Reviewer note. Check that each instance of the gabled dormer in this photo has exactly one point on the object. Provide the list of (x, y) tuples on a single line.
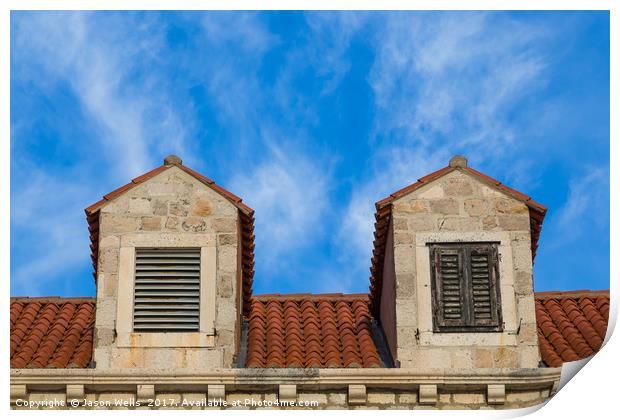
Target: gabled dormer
[(451, 275), (173, 258)]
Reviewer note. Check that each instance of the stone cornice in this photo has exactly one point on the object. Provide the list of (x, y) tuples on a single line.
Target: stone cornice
[(393, 378)]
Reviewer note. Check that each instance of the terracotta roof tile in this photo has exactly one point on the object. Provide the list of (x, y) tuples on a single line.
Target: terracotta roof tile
[(571, 325), (52, 332), (246, 215), (303, 330), (306, 331), (384, 213)]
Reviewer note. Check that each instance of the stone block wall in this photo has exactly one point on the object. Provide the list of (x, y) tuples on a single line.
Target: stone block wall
[(459, 208), (330, 399), (172, 209)]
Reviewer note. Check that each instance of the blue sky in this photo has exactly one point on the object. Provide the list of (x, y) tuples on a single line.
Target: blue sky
[(311, 118)]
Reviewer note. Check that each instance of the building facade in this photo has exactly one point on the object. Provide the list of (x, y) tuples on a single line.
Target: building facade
[(451, 319)]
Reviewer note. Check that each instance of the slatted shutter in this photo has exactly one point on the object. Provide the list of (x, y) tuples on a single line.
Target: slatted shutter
[(167, 290), (465, 287), (483, 284), (449, 297)]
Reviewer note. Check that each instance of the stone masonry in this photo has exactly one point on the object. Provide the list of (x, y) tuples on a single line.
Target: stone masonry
[(453, 208), (176, 210)]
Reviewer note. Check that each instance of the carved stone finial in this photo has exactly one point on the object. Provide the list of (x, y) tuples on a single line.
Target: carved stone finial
[(458, 162), (172, 160)]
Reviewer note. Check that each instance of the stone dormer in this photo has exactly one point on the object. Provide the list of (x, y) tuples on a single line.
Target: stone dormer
[(173, 259), (452, 272)]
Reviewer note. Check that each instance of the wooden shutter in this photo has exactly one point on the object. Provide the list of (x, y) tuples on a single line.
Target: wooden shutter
[(167, 290), (448, 287), (465, 287), (483, 277)]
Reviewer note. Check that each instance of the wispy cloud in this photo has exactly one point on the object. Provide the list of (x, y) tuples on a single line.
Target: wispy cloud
[(587, 205), (53, 219), (130, 123), (132, 117), (442, 86), (310, 117), (290, 194)]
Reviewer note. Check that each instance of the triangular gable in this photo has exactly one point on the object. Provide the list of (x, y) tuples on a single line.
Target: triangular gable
[(384, 212), (246, 215)]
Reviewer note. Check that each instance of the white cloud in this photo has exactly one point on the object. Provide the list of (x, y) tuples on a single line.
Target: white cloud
[(443, 85), (289, 193), (51, 210), (587, 204), (134, 114), (96, 57)]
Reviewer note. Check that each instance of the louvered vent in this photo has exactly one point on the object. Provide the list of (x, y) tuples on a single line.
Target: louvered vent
[(167, 290)]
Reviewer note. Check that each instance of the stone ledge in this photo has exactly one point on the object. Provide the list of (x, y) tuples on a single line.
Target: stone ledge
[(304, 379)]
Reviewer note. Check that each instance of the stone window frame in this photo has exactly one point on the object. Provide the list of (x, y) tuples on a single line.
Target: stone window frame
[(427, 336), (205, 337), (468, 323)]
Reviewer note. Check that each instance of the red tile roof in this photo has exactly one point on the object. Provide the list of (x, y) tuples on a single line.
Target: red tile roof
[(323, 331), (384, 213), (52, 332), (306, 331), (246, 215), (571, 325)]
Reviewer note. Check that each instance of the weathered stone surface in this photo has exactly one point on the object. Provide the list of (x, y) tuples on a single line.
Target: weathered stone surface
[(458, 187), (109, 242), (528, 333), (202, 207), (468, 398), (511, 222), (400, 223), (445, 206), (414, 206), (227, 258), (194, 224), (108, 260), (172, 223), (177, 209), (421, 223), (381, 398), (104, 336), (404, 259), (139, 205), (403, 238), (505, 357), (483, 358), (405, 285), (337, 398), (225, 338), (110, 285), (407, 398), (152, 223), (226, 314), (157, 214), (321, 398), (106, 312), (225, 285), (113, 223), (227, 239), (524, 396), (507, 205), (475, 206), (523, 283), (459, 223), (224, 225), (489, 223), (160, 207)]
